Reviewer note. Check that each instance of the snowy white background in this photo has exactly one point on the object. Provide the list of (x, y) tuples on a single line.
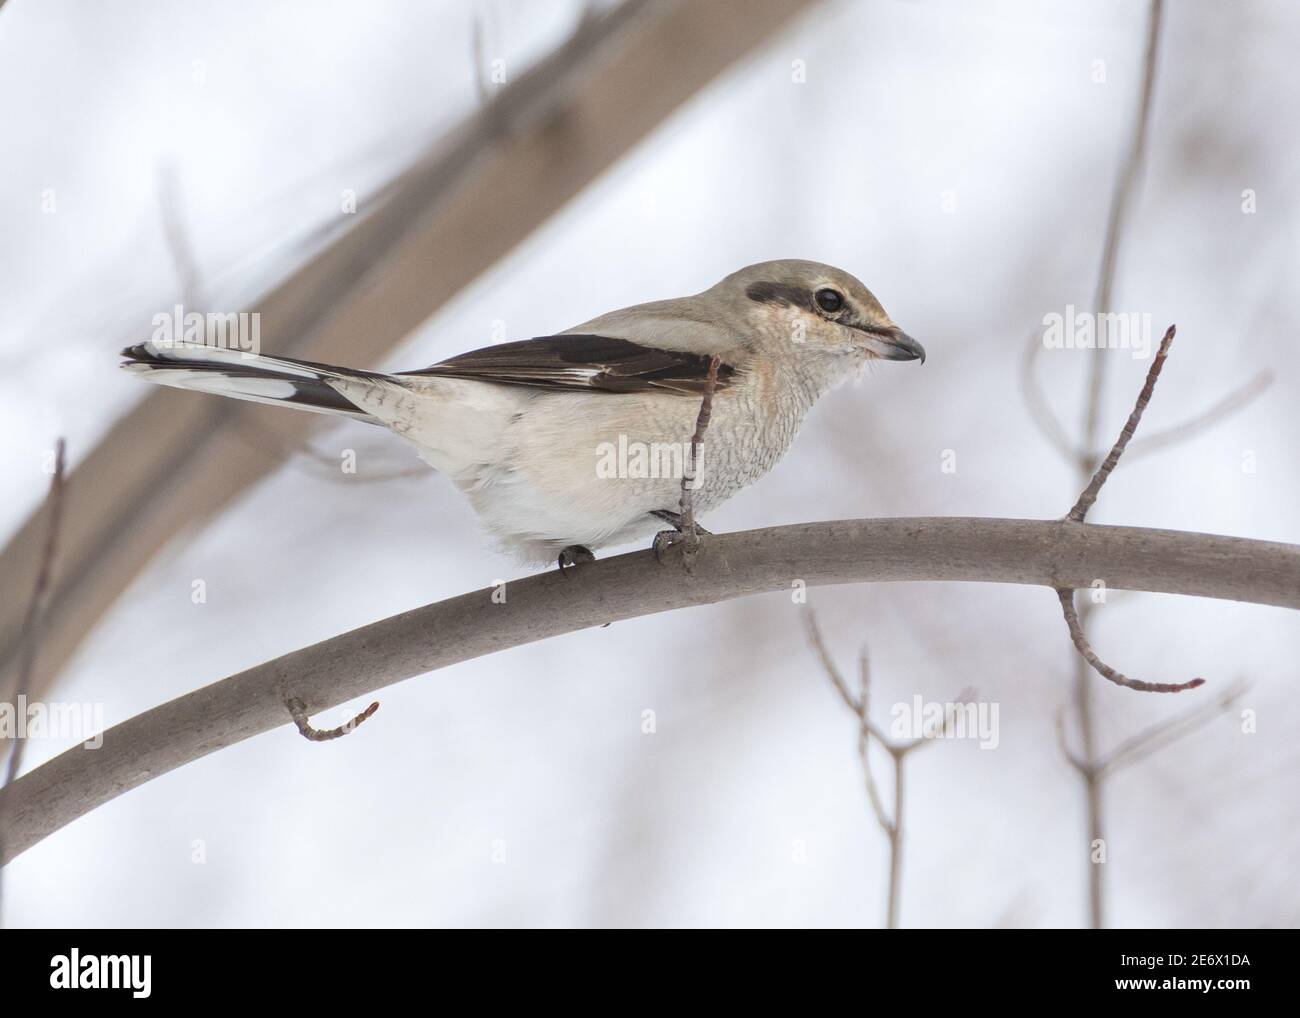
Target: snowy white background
[(746, 806)]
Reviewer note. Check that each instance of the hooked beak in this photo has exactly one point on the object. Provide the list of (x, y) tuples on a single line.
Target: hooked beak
[(893, 344)]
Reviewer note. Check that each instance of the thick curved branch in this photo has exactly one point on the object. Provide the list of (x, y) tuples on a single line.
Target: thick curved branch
[(1050, 553)]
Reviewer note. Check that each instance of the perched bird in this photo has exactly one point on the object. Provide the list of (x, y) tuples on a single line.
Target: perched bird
[(577, 441)]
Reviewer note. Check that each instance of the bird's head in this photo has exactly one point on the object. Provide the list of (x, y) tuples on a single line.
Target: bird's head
[(816, 311)]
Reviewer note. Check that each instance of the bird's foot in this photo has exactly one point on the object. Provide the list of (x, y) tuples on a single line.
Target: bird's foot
[(665, 539), (572, 555)]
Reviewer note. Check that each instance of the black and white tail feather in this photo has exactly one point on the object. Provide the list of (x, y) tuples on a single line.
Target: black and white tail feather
[(278, 381)]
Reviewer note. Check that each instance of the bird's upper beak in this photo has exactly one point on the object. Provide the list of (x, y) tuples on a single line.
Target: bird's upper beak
[(893, 344)]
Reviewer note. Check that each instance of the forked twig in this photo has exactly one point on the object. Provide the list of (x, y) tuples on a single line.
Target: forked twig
[(860, 705), (1080, 512), (1082, 766), (298, 711)]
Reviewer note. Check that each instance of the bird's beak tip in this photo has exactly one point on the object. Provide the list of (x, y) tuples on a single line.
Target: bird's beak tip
[(905, 348), (890, 343)]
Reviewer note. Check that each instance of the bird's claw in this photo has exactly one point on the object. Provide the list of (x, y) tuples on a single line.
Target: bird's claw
[(664, 540), (572, 555)]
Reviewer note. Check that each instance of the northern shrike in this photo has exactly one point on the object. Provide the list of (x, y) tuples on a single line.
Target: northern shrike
[(576, 441)]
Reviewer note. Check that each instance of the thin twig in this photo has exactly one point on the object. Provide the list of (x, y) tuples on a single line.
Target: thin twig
[(298, 711), (1089, 495), (1183, 431), (1121, 203), (179, 247), (1100, 667), (1053, 431), (697, 440), (1160, 735), (818, 645), (1039, 407), (941, 729), (1094, 800), (864, 735), (1080, 765)]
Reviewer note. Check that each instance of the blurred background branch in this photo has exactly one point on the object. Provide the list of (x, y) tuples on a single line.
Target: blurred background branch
[(860, 706), (33, 621)]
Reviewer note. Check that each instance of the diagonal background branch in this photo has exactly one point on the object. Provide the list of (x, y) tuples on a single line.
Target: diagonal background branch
[(1049, 553), (426, 235)]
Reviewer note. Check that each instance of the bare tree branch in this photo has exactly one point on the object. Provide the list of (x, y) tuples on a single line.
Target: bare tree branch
[(1050, 553), (36, 608)]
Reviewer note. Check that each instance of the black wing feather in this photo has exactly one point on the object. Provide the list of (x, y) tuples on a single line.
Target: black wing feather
[(600, 363)]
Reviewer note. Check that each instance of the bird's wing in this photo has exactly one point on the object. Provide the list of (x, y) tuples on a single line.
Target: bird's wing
[(586, 362)]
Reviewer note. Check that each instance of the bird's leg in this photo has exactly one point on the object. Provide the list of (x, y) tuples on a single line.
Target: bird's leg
[(572, 555), (665, 539), (668, 516)]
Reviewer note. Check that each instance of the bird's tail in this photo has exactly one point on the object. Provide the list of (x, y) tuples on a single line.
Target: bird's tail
[(280, 381)]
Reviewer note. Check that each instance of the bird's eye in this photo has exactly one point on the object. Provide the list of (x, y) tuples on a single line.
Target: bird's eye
[(829, 300)]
